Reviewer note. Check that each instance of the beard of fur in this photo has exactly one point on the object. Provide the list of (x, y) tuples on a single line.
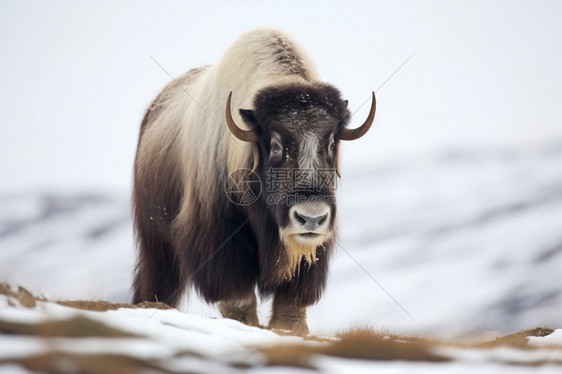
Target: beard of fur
[(295, 252)]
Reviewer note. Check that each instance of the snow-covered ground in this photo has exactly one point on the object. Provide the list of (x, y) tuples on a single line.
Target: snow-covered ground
[(450, 208), (156, 340)]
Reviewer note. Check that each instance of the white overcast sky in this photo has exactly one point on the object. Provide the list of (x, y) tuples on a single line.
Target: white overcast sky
[(75, 76)]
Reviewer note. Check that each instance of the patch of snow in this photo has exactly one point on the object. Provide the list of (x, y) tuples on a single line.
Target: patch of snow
[(13, 369), (554, 339), (503, 354), (18, 346), (337, 365)]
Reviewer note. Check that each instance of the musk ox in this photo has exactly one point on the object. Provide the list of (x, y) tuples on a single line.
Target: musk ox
[(283, 133)]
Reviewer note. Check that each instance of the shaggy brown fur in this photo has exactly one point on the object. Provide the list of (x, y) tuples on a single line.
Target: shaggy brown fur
[(188, 231)]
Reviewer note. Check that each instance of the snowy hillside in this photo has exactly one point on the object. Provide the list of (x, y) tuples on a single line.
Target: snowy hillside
[(466, 241), (50, 337)]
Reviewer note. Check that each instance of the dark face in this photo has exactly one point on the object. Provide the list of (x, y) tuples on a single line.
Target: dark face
[(295, 131), (298, 150)]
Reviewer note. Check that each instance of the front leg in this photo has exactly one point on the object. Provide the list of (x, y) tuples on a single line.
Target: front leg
[(241, 309), (288, 316)]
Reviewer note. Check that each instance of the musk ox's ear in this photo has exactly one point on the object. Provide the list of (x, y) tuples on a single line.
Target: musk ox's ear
[(249, 118), (244, 135)]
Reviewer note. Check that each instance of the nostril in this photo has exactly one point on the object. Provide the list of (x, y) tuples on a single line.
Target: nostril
[(300, 218), (323, 219)]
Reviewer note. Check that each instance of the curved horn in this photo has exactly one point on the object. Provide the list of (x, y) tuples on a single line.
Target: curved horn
[(348, 134), (244, 135)]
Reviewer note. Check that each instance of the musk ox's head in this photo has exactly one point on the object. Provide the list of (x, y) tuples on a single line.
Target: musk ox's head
[(295, 132)]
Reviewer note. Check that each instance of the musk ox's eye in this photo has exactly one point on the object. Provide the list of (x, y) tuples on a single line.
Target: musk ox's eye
[(275, 147), (332, 146), (276, 152)]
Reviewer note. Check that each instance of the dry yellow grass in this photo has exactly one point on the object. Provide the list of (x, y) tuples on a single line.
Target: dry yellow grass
[(28, 300), (78, 326), (102, 306), (369, 344), (58, 363), (517, 339)]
